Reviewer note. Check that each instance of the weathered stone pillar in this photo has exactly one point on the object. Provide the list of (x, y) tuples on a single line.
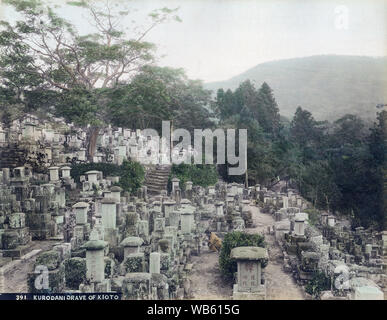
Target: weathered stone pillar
[(285, 202), (108, 213), (154, 262), (169, 206), (186, 222), (95, 266)]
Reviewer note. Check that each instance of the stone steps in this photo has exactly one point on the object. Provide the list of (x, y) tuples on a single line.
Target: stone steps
[(157, 179), (12, 156)]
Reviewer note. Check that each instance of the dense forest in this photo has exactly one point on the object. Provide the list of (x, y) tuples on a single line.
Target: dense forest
[(337, 165), (46, 67)]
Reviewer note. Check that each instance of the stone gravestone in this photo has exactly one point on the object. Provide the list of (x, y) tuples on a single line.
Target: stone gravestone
[(250, 262), (95, 266)]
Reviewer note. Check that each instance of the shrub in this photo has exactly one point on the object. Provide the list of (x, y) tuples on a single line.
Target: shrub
[(232, 240), (314, 216), (75, 272), (108, 169), (132, 176), (320, 282), (131, 173), (200, 175)]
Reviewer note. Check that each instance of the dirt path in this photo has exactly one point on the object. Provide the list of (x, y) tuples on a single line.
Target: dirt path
[(279, 285), (206, 282), (15, 280)]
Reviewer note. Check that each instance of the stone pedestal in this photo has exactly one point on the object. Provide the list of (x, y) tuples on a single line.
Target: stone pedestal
[(250, 262)]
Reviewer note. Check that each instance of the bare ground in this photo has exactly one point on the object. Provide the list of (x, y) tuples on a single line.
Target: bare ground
[(206, 282), (279, 284), (15, 280)]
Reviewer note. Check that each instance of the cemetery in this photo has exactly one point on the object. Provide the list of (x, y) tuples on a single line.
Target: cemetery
[(92, 236), (193, 150)]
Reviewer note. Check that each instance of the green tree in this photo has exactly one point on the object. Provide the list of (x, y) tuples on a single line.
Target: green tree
[(50, 51), (268, 112), (158, 94)]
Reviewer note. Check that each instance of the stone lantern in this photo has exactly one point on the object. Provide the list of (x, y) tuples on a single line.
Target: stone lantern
[(250, 261)]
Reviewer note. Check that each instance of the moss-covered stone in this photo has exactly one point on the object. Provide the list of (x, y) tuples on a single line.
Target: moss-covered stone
[(164, 261), (50, 259), (134, 263)]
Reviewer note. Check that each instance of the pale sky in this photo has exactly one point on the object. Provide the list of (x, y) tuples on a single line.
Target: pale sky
[(219, 39)]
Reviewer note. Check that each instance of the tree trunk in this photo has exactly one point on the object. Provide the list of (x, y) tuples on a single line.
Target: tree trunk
[(92, 143)]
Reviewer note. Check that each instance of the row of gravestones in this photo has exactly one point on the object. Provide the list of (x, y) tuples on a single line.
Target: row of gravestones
[(329, 247)]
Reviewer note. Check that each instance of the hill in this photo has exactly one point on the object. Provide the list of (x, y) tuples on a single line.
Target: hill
[(329, 86)]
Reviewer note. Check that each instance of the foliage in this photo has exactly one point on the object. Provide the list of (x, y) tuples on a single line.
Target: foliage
[(157, 94), (75, 272), (200, 174), (314, 216), (256, 111), (43, 56), (320, 282), (232, 240), (108, 169), (132, 176), (131, 173)]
